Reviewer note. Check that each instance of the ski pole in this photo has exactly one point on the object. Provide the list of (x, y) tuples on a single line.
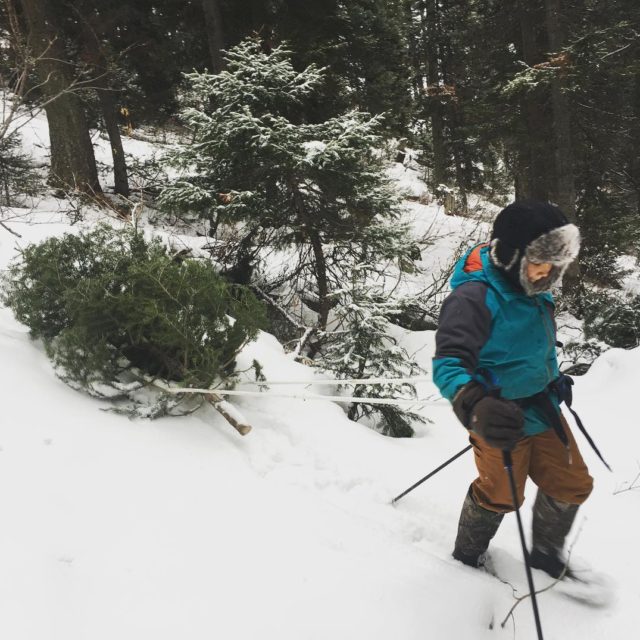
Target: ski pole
[(508, 465), (442, 466)]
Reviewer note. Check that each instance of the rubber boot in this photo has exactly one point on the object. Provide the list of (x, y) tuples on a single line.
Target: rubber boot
[(552, 522), (476, 528)]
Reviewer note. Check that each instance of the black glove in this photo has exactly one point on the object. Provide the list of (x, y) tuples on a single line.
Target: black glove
[(562, 386), (500, 422)]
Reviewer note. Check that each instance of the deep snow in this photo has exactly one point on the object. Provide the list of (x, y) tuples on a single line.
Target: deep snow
[(180, 528)]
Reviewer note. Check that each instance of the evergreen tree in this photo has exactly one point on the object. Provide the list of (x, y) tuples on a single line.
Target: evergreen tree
[(371, 53), (254, 160), (604, 56), (463, 53), (115, 311), (255, 163), (18, 177), (362, 43)]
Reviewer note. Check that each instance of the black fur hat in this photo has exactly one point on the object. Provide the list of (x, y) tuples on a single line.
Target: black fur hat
[(538, 232)]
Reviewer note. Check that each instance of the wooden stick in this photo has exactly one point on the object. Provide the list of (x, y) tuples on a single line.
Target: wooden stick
[(229, 413), (224, 408)]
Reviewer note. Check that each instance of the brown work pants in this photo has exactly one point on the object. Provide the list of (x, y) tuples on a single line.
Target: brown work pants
[(558, 472)]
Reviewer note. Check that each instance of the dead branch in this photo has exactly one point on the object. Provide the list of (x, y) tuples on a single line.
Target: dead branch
[(15, 233), (634, 484), (229, 413)]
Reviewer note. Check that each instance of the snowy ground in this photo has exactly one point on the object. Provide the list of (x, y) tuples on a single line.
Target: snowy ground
[(180, 528)]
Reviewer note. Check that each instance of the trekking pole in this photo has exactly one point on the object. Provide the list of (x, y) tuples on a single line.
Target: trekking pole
[(508, 465), (433, 473)]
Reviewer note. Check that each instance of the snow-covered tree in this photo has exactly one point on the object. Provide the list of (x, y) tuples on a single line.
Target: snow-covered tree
[(254, 163), (254, 160)]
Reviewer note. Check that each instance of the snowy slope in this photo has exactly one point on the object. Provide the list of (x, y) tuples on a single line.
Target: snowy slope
[(180, 528)]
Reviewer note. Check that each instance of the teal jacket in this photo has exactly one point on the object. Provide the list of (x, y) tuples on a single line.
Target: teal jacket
[(485, 323)]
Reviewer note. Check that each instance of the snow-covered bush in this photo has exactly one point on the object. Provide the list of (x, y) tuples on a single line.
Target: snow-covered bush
[(361, 346), (115, 311)]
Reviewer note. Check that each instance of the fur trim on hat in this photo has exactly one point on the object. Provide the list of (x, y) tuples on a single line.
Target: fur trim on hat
[(496, 260), (560, 246)]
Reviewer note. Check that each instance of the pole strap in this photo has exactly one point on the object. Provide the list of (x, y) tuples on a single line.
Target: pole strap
[(562, 386)]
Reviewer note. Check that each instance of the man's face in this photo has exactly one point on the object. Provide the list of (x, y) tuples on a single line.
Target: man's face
[(537, 271)]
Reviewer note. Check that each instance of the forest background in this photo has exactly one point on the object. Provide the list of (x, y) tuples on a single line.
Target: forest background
[(538, 99), (528, 99)]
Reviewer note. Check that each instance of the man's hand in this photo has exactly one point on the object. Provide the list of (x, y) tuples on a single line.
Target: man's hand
[(500, 422)]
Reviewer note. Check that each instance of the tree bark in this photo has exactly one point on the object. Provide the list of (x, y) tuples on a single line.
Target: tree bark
[(321, 278), (563, 189), (73, 164), (455, 125), (215, 33), (430, 31), (319, 259), (634, 160), (534, 154), (109, 107), (416, 62), (108, 104)]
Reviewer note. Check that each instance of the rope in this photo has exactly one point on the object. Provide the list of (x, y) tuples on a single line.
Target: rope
[(398, 402), (353, 381)]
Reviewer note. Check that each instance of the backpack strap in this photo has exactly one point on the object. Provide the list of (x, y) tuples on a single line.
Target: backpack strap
[(562, 388)]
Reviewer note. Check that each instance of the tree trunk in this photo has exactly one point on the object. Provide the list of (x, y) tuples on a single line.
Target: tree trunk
[(215, 33), (229, 413), (634, 160), (455, 126), (534, 160), (417, 81), (563, 189), (321, 278), (319, 259), (73, 164), (430, 31), (109, 107)]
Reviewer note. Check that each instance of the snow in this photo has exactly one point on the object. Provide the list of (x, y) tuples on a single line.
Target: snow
[(408, 182), (181, 528), (631, 281), (314, 148)]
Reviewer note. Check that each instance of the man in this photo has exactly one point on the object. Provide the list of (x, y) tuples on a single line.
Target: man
[(496, 362)]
